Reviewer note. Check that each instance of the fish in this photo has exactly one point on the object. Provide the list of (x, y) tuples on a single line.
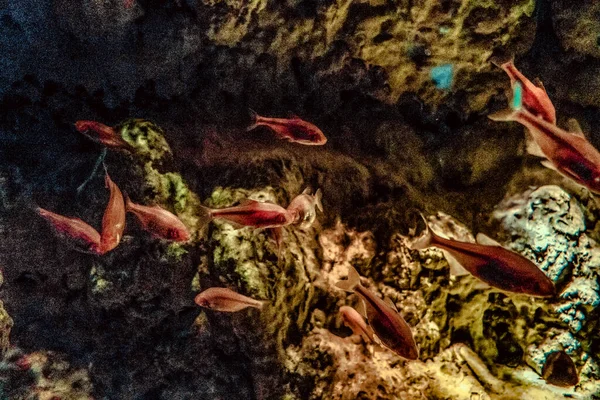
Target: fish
[(293, 129), (303, 207), (103, 134), (113, 221), (387, 324), (74, 228), (567, 152), (158, 221), (249, 213), (353, 320), (559, 370), (496, 266), (128, 3), (535, 98), (223, 299)]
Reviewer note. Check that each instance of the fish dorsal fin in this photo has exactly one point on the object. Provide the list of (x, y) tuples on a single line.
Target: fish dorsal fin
[(307, 191), (248, 202), (361, 308), (574, 128), (292, 115), (537, 82), (456, 269), (486, 240), (390, 303)]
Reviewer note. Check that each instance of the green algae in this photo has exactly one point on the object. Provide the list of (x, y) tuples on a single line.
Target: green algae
[(146, 137)]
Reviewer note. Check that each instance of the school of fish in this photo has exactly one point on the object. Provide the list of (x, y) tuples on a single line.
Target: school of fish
[(374, 319)]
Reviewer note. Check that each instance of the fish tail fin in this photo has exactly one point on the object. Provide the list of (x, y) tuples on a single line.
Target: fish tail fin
[(128, 202), (426, 239), (353, 280), (205, 216), (511, 114), (261, 303), (503, 61), (318, 198), (255, 120)]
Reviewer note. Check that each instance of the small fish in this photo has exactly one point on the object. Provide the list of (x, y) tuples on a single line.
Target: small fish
[(102, 134), (559, 370), (293, 129), (388, 325), (74, 228), (223, 299), (492, 264), (250, 213), (303, 207), (568, 153), (353, 320), (113, 221), (128, 3), (159, 221), (535, 98)]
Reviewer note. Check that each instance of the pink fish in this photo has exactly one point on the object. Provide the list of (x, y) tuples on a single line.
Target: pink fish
[(388, 325), (569, 153), (128, 3), (353, 320), (223, 299), (102, 134), (303, 207), (74, 228), (535, 98), (159, 221), (251, 213), (292, 129), (113, 221), (492, 264)]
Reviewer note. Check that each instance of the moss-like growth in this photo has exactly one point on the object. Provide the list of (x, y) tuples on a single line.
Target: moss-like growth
[(146, 137)]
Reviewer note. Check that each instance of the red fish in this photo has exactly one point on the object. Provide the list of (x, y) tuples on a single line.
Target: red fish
[(353, 320), (303, 207), (293, 129), (535, 98), (113, 221), (251, 213), (74, 228), (159, 221), (223, 299), (559, 370), (102, 134), (492, 264), (389, 326), (569, 153)]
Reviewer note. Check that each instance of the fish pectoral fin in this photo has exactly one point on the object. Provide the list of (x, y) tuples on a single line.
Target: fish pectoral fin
[(486, 240), (361, 309), (532, 147), (574, 128), (390, 303), (456, 269)]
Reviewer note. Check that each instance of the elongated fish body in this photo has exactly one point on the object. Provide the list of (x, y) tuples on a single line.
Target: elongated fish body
[(293, 129), (102, 134), (74, 228), (252, 213), (569, 153), (535, 98), (304, 207), (159, 222), (388, 325), (113, 221), (494, 265), (353, 320), (223, 299)]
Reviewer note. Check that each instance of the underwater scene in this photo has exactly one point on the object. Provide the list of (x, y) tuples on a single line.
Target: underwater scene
[(299, 199)]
